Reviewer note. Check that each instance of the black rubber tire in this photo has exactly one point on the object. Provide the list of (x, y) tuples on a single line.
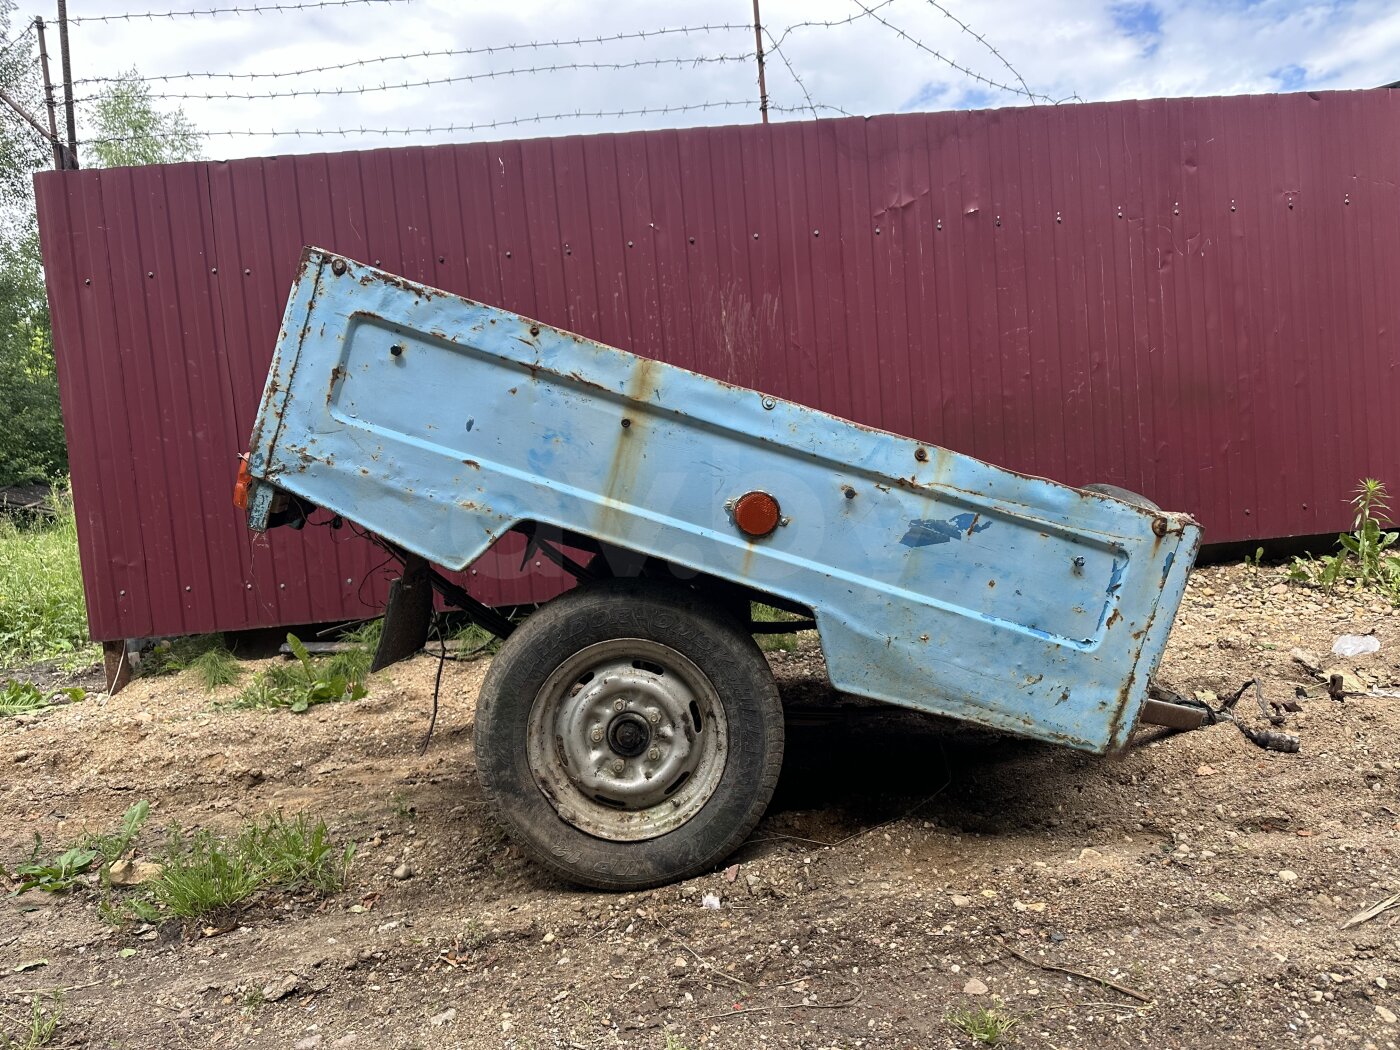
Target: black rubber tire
[(1126, 495), (672, 616)]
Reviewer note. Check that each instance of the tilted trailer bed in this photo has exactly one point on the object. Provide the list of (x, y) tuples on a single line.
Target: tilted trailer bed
[(630, 732)]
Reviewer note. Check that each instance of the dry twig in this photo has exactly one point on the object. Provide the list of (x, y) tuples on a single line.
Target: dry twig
[(1132, 992)]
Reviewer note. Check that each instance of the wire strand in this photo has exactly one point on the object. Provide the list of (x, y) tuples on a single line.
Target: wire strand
[(983, 41), (209, 12), (362, 89), (1009, 88), (491, 49), (433, 129), (829, 25), (774, 49), (11, 45)]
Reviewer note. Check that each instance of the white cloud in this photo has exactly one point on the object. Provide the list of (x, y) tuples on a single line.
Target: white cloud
[(1098, 49)]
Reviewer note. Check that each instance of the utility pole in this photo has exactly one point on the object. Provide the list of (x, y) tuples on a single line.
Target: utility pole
[(67, 82), (758, 47), (60, 152)]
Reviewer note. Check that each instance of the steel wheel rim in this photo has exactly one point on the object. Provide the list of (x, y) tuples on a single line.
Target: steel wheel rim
[(627, 739)]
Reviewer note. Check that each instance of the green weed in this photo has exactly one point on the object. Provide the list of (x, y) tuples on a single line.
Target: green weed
[(205, 874), (986, 1025), (472, 640), (18, 698), (300, 685), (42, 613), (39, 1029), (205, 654), (1366, 558), (65, 870), (295, 854), (216, 667)]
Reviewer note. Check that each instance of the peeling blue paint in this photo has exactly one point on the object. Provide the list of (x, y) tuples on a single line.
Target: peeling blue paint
[(1001, 633), (924, 531)]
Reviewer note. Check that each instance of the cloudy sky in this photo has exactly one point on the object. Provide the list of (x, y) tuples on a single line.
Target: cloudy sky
[(880, 56)]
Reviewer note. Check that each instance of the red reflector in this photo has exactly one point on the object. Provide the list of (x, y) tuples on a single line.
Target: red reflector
[(756, 513), (241, 484)]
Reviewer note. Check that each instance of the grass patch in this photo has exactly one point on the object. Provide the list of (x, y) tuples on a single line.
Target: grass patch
[(986, 1025), (200, 874), (472, 640), (772, 642), (205, 874), (215, 667), (42, 612), (205, 654), (39, 1029), (302, 684)]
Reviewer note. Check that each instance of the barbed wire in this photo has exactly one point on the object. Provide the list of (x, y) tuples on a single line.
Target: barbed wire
[(774, 49), (433, 129), (444, 53), (830, 25), (1009, 88), (804, 108), (11, 45), (208, 12), (983, 41), (362, 89)]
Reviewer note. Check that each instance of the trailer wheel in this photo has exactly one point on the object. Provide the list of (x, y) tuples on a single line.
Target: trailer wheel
[(628, 735)]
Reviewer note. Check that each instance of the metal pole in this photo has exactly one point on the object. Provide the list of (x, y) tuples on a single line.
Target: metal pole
[(5, 98), (67, 82), (60, 159), (758, 46)]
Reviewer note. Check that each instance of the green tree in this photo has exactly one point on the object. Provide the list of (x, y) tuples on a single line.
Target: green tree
[(129, 129), (31, 440)]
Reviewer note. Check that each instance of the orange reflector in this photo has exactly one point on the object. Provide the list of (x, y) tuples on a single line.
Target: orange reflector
[(241, 485), (756, 513)]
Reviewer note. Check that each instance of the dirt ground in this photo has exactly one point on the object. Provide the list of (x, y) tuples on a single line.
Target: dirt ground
[(905, 868)]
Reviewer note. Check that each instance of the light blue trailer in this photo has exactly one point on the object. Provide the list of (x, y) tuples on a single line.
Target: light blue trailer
[(630, 731)]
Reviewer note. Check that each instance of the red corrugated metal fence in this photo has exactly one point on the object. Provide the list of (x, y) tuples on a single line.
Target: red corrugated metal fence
[(1194, 298)]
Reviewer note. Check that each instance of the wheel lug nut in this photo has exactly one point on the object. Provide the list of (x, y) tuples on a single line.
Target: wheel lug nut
[(597, 734), (654, 717), (654, 754), (619, 704), (617, 765)]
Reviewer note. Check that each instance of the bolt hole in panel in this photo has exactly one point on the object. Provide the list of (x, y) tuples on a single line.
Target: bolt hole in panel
[(947, 584)]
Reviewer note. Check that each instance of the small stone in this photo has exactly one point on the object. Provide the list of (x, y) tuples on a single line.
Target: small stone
[(1387, 1015), (438, 1020), (402, 872), (133, 872), (1205, 769), (974, 987), (309, 1043), (961, 901), (549, 938), (1306, 660), (1287, 876), (280, 989)]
